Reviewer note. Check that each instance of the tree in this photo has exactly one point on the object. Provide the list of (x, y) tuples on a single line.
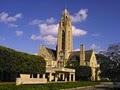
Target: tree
[(109, 69), (83, 72), (13, 63), (113, 52)]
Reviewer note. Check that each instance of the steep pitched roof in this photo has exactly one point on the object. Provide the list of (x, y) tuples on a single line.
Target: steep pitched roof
[(75, 53), (88, 54), (52, 52)]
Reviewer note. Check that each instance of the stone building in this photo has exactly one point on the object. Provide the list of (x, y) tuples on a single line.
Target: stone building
[(64, 49), (55, 59)]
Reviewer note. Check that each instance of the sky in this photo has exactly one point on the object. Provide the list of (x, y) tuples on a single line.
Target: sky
[(26, 24)]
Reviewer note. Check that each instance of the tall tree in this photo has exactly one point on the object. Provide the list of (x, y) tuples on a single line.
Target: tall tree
[(110, 62), (113, 52), (13, 62)]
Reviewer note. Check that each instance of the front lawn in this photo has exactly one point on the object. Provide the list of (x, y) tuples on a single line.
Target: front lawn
[(48, 86)]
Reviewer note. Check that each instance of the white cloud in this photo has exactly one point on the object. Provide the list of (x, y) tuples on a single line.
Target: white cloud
[(79, 16), (78, 49), (48, 39), (78, 32), (38, 21), (4, 17), (53, 30), (19, 33), (35, 22), (48, 33), (7, 19), (35, 37), (35, 53), (50, 20), (12, 25), (46, 29), (94, 47), (18, 16)]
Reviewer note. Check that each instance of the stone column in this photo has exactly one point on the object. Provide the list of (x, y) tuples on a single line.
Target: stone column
[(56, 77), (38, 75), (69, 76), (65, 77), (44, 76), (59, 75), (32, 75), (74, 77), (50, 76)]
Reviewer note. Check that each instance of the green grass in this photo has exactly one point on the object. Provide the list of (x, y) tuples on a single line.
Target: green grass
[(48, 86)]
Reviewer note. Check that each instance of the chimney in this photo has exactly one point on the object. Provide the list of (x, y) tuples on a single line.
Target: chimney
[(82, 55)]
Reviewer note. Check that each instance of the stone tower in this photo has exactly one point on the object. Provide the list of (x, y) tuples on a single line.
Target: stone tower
[(64, 40), (82, 55)]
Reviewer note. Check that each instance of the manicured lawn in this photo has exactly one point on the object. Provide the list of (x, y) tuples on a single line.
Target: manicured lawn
[(49, 86)]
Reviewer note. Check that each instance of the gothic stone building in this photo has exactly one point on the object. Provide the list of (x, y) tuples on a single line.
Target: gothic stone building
[(64, 49)]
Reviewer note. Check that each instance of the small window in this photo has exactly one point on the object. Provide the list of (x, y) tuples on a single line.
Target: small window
[(63, 24), (66, 17)]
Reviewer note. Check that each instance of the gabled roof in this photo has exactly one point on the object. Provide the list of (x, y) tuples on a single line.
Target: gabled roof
[(88, 54), (52, 52), (75, 53)]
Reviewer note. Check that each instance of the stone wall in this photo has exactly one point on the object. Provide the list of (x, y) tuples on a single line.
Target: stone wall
[(30, 81), (25, 79)]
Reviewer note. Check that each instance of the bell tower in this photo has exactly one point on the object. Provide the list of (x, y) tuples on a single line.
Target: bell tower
[(64, 40)]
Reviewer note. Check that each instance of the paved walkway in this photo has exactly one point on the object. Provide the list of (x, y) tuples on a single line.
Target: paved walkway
[(103, 86)]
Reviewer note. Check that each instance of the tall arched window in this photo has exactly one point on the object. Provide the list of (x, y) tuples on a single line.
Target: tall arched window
[(69, 40), (63, 40)]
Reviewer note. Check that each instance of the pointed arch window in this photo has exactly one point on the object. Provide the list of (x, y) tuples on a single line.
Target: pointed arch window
[(66, 17), (69, 40), (63, 40)]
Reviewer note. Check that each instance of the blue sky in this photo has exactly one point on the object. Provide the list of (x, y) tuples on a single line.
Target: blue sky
[(26, 24)]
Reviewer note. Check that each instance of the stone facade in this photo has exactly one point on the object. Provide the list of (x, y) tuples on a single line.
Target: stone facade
[(26, 79), (64, 53), (48, 55), (64, 41), (60, 74)]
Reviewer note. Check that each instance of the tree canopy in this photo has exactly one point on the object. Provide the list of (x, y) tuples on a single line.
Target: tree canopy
[(113, 52), (110, 62), (83, 72), (13, 63)]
